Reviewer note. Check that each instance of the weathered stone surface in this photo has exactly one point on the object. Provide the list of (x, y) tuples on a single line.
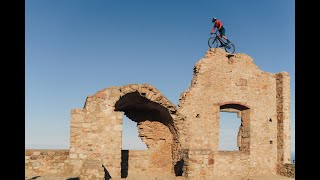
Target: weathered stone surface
[(182, 140), (46, 162)]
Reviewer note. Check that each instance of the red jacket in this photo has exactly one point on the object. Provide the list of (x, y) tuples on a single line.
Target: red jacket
[(217, 24)]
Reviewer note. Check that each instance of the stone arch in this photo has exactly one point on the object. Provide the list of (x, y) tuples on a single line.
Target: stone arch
[(142, 102), (97, 128)]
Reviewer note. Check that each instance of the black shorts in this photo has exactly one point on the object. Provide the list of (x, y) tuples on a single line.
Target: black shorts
[(222, 31)]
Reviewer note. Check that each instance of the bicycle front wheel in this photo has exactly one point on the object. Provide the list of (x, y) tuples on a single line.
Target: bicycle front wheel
[(213, 42), (230, 48)]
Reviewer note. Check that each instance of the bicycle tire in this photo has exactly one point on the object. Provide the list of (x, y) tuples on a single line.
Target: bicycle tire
[(213, 42), (230, 48)]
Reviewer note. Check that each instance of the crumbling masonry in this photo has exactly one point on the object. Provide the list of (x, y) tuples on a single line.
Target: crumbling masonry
[(182, 141)]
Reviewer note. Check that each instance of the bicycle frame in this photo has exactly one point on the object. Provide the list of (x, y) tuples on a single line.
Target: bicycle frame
[(225, 43), (221, 40)]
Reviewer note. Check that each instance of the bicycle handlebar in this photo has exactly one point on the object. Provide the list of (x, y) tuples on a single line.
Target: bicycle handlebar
[(214, 33)]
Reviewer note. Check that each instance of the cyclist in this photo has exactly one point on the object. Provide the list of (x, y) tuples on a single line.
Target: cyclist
[(218, 24)]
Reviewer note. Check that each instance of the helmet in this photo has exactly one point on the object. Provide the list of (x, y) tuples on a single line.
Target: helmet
[(214, 20)]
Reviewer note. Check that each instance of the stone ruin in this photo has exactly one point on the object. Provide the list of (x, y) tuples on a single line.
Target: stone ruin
[(182, 140)]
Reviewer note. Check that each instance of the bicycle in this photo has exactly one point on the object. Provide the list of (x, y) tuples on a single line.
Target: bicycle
[(216, 41)]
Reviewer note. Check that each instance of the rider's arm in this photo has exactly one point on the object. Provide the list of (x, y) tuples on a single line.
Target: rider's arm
[(214, 27), (212, 31)]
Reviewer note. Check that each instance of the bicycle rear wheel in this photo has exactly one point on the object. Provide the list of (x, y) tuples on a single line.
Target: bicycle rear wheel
[(213, 42), (230, 48)]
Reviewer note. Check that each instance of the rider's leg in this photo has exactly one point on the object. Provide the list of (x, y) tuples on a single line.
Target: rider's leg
[(221, 43), (223, 33)]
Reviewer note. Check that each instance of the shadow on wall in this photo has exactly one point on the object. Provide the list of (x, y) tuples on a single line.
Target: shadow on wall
[(106, 173), (35, 177), (73, 178), (124, 163), (178, 168)]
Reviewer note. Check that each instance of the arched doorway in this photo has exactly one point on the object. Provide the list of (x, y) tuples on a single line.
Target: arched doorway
[(155, 128)]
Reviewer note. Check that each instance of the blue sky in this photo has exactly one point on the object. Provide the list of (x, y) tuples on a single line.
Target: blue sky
[(75, 48)]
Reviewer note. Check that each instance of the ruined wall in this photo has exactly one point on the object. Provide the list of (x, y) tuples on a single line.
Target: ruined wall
[(137, 160), (158, 157), (181, 141), (143, 162), (283, 119), (96, 130), (198, 164), (288, 170), (219, 80), (40, 162), (159, 141)]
